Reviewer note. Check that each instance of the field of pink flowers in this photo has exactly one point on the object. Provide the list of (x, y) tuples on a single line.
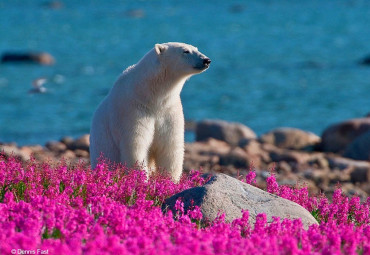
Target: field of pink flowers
[(63, 209)]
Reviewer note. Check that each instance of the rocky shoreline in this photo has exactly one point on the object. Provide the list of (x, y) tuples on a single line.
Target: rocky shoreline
[(340, 156)]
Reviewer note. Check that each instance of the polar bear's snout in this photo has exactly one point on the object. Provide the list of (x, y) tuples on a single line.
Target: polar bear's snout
[(206, 62), (203, 64)]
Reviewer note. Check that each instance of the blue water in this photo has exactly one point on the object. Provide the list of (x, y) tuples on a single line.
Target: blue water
[(274, 63)]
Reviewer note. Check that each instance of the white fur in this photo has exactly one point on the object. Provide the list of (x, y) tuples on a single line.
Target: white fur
[(141, 120)]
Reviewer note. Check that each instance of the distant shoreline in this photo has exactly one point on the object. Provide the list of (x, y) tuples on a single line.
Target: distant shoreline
[(296, 156)]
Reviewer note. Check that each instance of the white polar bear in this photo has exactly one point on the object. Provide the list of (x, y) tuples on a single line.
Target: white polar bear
[(141, 120)]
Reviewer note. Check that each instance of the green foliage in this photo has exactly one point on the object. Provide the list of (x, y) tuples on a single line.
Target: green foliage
[(62, 186), (46, 183), (4, 189), (18, 190), (80, 191), (316, 215), (56, 234)]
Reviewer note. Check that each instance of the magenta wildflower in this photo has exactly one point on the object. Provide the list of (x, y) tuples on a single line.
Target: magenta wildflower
[(116, 210), (250, 178)]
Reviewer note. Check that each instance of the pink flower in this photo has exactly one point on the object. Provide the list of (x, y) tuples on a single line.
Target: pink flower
[(116, 210)]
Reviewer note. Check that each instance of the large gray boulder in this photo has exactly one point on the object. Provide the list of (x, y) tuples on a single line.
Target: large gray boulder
[(290, 138), (230, 132), (338, 136), (228, 195)]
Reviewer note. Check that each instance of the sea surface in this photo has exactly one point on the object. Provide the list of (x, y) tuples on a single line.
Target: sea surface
[(274, 63)]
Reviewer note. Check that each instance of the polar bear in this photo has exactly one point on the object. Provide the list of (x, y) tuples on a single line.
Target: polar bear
[(141, 120)]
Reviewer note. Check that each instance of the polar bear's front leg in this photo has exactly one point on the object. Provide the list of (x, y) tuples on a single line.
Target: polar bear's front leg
[(136, 142), (170, 137), (172, 161), (171, 157)]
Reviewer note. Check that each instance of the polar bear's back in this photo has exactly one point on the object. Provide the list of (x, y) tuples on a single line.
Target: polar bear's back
[(112, 110), (101, 140)]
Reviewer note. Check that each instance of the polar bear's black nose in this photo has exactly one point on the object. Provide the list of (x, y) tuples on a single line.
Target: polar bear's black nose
[(206, 61)]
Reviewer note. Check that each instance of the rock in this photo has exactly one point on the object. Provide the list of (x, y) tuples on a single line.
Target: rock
[(256, 155), (365, 61), (68, 155), (318, 161), (359, 171), (338, 136), (81, 143), (278, 155), (81, 153), (28, 57), (283, 168), (319, 177), (34, 148), (228, 195), (250, 145), (67, 140), (25, 153), (288, 181), (237, 157), (55, 146), (350, 190), (229, 132), (290, 138), (289, 156), (359, 149), (360, 175), (210, 147), (8, 149), (190, 125), (13, 150), (338, 176), (204, 155), (345, 163), (312, 187)]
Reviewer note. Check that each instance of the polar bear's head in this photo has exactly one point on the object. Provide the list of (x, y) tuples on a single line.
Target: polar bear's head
[(181, 58)]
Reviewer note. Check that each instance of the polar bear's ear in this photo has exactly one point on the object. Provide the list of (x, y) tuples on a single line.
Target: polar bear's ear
[(160, 48)]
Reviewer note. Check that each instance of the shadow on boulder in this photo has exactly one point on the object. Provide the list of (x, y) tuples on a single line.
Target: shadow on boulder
[(337, 137), (359, 149)]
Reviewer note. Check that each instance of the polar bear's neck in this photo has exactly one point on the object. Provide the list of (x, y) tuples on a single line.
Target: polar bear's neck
[(152, 84)]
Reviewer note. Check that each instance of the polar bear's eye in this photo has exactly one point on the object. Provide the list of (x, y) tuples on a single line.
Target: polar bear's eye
[(186, 52)]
